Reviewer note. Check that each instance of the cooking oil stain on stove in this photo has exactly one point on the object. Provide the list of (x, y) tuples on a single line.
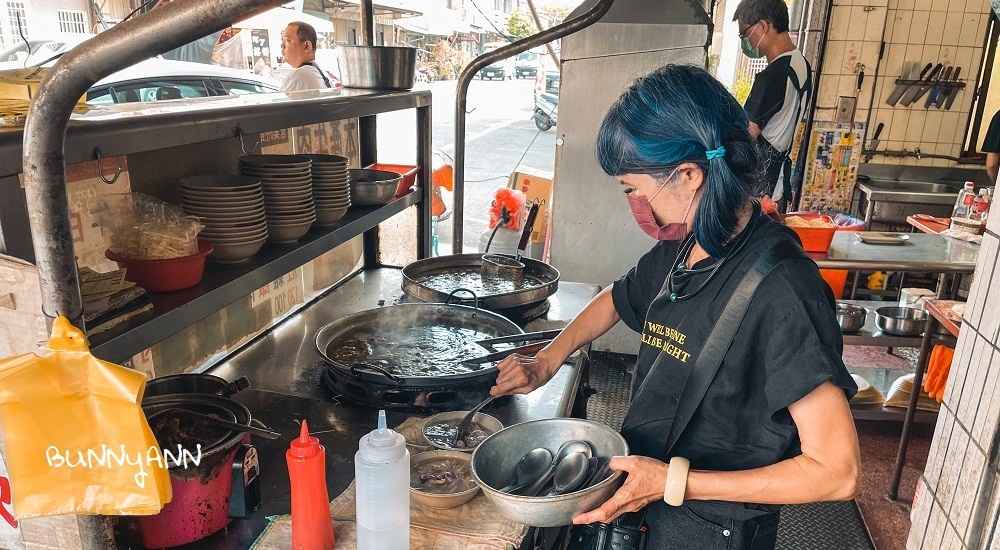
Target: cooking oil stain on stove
[(410, 350), (469, 278)]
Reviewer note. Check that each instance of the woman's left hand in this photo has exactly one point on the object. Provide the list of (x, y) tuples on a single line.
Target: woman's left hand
[(644, 484)]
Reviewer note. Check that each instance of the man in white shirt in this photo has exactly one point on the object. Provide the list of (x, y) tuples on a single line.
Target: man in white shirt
[(298, 47), (781, 92)]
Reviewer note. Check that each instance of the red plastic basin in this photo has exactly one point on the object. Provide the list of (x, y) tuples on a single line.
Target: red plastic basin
[(164, 275)]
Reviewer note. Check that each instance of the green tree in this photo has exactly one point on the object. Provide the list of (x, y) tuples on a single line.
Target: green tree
[(520, 25)]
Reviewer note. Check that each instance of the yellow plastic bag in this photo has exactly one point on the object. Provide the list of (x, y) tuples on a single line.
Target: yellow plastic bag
[(75, 438)]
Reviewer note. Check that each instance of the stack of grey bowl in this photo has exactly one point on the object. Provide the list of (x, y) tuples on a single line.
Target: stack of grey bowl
[(287, 184), (232, 209), (331, 187)]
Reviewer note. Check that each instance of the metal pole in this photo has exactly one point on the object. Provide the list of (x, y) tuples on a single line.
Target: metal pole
[(424, 209), (911, 408), (538, 23), (462, 92), (148, 35), (367, 23)]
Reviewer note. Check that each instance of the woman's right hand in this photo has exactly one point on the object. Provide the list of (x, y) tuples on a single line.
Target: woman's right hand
[(521, 374)]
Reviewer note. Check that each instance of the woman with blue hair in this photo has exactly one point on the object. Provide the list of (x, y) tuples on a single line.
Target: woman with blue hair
[(772, 425)]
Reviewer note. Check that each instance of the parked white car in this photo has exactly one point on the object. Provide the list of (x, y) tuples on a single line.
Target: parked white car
[(160, 79)]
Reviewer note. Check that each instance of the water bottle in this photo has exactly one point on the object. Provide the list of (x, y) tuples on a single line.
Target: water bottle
[(382, 478), (963, 205)]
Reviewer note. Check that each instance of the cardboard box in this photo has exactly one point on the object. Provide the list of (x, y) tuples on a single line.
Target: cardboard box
[(537, 187)]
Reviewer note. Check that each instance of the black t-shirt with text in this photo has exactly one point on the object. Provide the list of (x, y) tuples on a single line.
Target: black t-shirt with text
[(788, 344), (991, 143)]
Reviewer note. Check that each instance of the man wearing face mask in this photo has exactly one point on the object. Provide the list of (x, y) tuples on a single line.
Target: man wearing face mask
[(781, 92), (712, 463)]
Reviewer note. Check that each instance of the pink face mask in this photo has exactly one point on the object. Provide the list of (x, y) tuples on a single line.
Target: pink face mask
[(643, 213)]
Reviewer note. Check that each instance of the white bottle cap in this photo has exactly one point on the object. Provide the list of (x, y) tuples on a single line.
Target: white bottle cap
[(382, 445)]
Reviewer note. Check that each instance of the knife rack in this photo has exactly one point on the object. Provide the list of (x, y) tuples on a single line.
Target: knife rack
[(944, 85)]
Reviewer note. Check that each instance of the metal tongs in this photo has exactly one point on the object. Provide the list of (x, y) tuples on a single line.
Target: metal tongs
[(545, 336)]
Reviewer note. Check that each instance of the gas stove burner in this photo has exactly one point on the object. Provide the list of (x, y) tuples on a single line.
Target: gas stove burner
[(522, 315)]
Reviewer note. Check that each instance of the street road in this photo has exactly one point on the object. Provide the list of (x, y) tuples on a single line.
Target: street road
[(499, 131)]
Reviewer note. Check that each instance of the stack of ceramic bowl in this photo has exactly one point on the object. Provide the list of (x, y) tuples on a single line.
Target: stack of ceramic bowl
[(232, 209), (287, 184), (331, 188)]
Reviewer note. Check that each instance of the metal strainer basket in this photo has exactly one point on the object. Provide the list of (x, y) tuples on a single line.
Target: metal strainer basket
[(497, 267)]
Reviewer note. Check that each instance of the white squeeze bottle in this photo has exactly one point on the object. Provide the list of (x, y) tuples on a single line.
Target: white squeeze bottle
[(382, 478)]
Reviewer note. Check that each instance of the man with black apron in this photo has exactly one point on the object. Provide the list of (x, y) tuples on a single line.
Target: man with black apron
[(781, 92), (298, 47)]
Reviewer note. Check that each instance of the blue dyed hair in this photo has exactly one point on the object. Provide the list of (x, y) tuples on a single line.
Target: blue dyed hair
[(675, 115)]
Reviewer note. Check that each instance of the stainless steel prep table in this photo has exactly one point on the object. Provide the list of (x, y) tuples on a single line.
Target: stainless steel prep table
[(284, 370), (921, 253)]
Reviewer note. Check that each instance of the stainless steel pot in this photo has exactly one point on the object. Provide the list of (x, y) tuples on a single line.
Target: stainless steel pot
[(378, 67), (194, 383), (901, 321), (850, 317), (373, 187)]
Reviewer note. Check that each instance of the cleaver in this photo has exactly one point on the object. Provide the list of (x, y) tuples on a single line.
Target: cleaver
[(915, 92), (909, 72)]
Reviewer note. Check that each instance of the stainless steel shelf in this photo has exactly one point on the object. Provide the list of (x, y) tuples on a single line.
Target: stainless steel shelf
[(131, 128), (223, 285)]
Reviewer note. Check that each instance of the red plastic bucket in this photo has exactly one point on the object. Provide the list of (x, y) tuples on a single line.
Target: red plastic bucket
[(164, 275)]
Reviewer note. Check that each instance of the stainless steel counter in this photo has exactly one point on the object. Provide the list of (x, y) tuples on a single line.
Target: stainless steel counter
[(284, 370), (921, 253)]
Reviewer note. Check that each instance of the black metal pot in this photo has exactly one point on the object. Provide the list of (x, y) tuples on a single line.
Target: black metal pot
[(372, 385)]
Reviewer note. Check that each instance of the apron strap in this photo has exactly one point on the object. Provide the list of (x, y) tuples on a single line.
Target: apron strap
[(721, 338)]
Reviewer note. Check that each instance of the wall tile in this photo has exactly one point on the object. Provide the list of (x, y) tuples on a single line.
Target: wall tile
[(949, 125), (964, 59), (915, 128), (901, 27), (920, 516), (951, 539), (901, 4), (859, 22), (975, 6), (828, 92), (834, 62), (935, 528), (932, 121), (923, 4), (918, 28), (953, 28), (932, 52), (869, 56), (968, 489), (970, 30), (876, 25), (915, 52), (896, 130), (951, 470), (991, 317), (959, 373), (989, 409), (939, 447), (973, 391), (935, 27), (840, 20)]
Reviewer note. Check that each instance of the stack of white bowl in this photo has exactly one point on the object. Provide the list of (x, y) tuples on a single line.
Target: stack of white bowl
[(331, 187), (232, 209), (287, 184)]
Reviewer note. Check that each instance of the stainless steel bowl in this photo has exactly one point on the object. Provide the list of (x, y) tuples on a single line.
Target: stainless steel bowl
[(489, 424), (494, 461), (373, 187), (901, 321), (378, 67), (850, 317)]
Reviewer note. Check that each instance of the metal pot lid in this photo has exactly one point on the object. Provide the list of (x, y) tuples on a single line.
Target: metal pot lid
[(171, 427), (435, 279), (412, 344)]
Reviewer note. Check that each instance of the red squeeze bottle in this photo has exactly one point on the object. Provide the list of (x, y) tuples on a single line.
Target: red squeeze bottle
[(312, 526)]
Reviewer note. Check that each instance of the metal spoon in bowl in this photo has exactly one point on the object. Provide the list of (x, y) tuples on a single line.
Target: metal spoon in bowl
[(463, 426), (569, 474), (567, 448), (532, 465)]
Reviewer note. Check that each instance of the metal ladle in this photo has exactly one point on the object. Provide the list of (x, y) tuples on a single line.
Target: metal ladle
[(531, 466), (504, 268), (463, 426)]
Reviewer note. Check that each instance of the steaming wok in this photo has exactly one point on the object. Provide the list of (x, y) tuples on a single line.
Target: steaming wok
[(412, 345)]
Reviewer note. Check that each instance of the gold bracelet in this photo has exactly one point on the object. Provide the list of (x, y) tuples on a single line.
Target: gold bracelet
[(677, 473)]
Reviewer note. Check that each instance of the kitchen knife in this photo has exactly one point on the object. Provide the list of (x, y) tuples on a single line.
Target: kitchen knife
[(954, 90), (909, 72), (906, 88), (935, 94), (948, 90), (916, 92), (873, 144)]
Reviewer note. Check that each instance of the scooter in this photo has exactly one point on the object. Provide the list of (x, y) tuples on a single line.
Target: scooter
[(426, 74), (546, 109)]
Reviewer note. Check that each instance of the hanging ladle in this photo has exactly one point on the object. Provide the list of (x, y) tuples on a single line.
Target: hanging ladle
[(504, 268)]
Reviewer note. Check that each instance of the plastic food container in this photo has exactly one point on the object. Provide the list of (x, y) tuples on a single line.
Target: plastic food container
[(407, 171), (815, 239), (164, 275)]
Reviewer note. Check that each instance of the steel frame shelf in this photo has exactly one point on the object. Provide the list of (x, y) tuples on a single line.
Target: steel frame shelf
[(118, 131), (222, 285)]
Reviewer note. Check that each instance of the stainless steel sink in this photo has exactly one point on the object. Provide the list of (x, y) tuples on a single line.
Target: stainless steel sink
[(909, 191)]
